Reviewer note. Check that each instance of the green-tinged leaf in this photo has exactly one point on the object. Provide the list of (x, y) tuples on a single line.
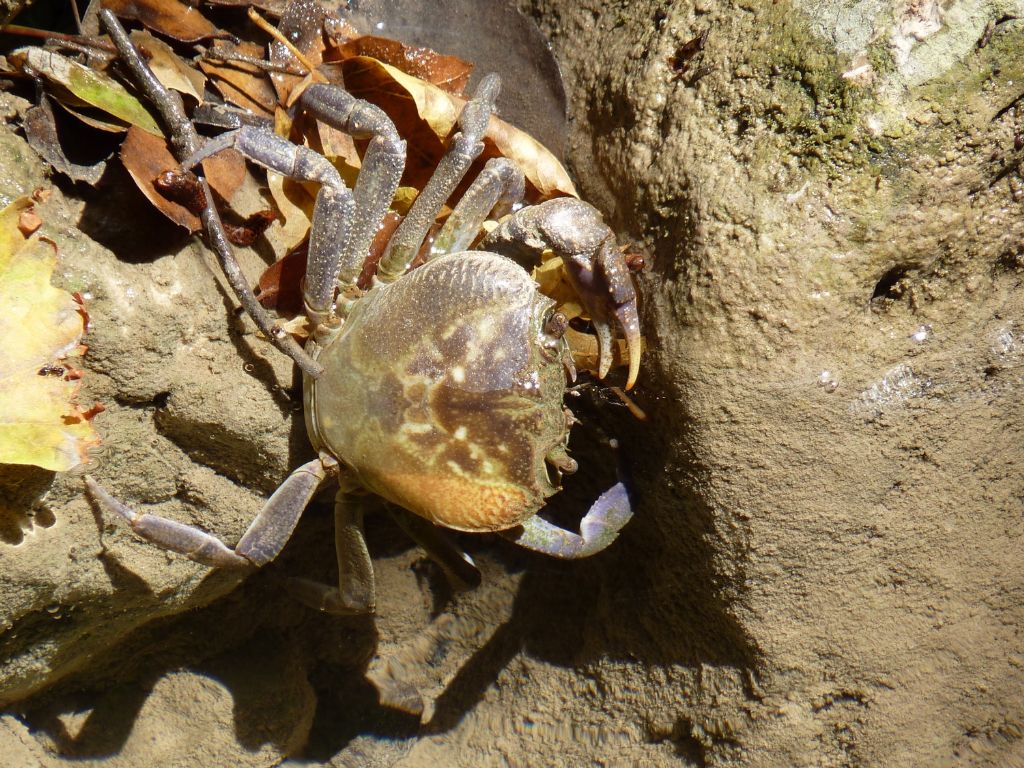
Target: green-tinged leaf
[(83, 86)]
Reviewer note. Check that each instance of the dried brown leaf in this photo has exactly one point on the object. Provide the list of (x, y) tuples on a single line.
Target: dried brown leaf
[(368, 79), (42, 134), (244, 85), (541, 168), (425, 115), (168, 17), (449, 73), (280, 285), (146, 157), (295, 205), (169, 68), (225, 172)]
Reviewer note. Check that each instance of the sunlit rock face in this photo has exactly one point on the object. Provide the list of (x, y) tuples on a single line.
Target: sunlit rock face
[(824, 566)]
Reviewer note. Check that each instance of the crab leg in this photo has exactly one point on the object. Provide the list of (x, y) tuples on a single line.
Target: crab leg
[(333, 211), (573, 230), (356, 591), (186, 141), (465, 147), (498, 188), (598, 529), (379, 176), (261, 543), (458, 567)]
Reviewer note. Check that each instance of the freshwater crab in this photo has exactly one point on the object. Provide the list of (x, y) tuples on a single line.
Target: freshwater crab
[(440, 390)]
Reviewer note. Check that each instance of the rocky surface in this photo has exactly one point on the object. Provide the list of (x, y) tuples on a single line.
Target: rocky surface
[(824, 567)]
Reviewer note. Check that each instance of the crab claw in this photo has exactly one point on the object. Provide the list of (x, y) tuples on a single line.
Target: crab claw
[(605, 288), (574, 231), (598, 529)]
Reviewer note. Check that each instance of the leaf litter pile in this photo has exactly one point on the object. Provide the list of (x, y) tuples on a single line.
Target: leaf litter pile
[(252, 74)]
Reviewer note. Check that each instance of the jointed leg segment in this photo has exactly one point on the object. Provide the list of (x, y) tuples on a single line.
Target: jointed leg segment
[(495, 191), (356, 591), (261, 543), (380, 174), (465, 147)]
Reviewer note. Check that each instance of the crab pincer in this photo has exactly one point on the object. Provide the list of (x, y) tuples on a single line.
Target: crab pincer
[(574, 231)]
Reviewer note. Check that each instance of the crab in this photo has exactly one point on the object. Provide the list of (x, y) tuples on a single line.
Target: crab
[(439, 389)]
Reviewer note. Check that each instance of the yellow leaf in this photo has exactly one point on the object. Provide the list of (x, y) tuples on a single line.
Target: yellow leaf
[(39, 422), (551, 279)]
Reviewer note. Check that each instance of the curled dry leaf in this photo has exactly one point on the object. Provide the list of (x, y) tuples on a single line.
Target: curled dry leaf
[(77, 85), (391, 89), (40, 423), (295, 206), (337, 146), (542, 169), (168, 66), (168, 17), (41, 132), (449, 73)]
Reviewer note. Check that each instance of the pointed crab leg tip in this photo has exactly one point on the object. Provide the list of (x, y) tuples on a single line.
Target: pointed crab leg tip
[(629, 324), (633, 344), (106, 502), (634, 369)]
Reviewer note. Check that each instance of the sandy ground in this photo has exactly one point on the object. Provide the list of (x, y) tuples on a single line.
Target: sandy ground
[(825, 564)]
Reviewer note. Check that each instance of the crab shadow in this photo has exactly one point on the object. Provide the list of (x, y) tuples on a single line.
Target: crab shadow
[(650, 600), (115, 213), (246, 652)]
